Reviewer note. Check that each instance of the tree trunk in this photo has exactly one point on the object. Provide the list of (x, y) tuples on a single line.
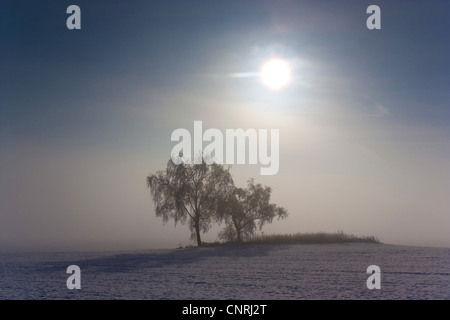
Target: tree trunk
[(197, 233), (238, 233)]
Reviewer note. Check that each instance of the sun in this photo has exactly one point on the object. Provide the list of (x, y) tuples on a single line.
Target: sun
[(275, 74)]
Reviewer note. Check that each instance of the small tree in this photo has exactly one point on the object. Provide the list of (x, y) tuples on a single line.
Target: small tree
[(245, 210), (190, 192)]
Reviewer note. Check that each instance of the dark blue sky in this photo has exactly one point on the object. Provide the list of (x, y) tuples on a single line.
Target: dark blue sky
[(137, 70), (47, 71)]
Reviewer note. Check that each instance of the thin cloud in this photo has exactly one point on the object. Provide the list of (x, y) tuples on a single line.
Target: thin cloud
[(382, 110)]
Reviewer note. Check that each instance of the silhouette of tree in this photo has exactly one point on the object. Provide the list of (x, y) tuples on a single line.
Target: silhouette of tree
[(245, 210), (190, 192)]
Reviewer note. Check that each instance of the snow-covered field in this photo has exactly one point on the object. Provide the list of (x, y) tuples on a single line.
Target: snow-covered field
[(325, 271)]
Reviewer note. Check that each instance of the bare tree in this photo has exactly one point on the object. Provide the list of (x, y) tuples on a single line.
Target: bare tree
[(245, 210), (190, 192)]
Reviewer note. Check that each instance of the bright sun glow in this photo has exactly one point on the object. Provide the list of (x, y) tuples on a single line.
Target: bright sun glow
[(275, 74)]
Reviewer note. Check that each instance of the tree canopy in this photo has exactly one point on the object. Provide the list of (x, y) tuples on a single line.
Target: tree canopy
[(246, 210), (202, 193), (190, 192)]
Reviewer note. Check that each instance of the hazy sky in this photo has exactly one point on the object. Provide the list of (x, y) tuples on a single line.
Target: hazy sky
[(86, 115)]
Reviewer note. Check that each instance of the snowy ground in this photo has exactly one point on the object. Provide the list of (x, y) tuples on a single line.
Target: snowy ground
[(334, 271)]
